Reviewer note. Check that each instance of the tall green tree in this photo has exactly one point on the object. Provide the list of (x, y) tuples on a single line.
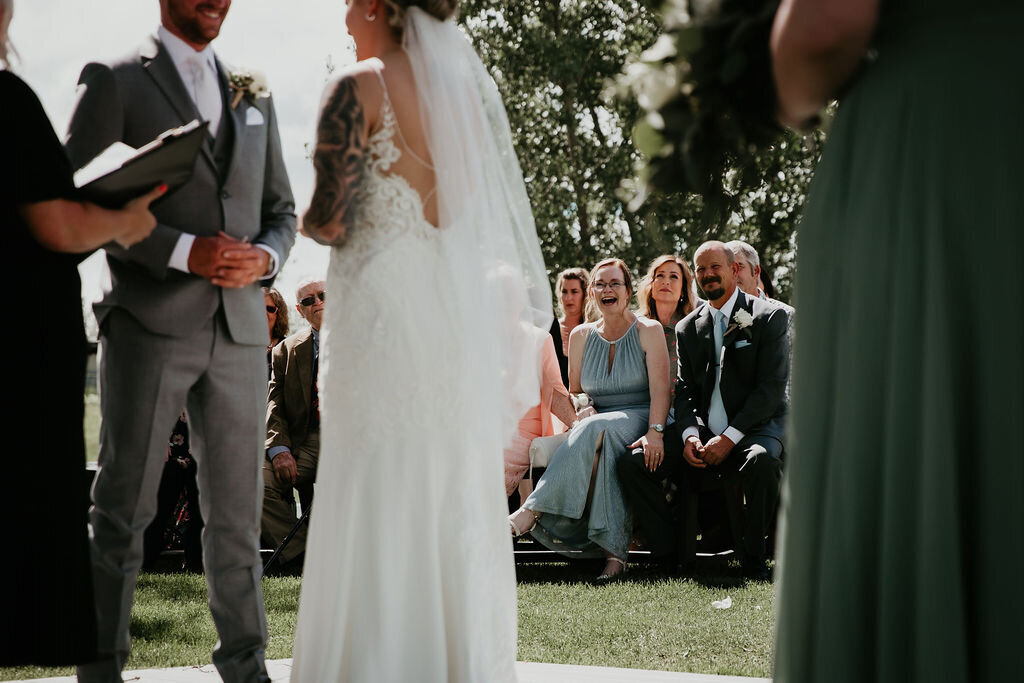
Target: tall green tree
[(556, 63)]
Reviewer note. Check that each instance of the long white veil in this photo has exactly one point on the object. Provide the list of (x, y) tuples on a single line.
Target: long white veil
[(498, 272)]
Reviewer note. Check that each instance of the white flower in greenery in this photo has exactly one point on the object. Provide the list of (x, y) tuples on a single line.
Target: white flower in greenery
[(743, 319), (248, 82)]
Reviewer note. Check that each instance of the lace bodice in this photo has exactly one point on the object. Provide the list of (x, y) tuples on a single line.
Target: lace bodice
[(387, 206)]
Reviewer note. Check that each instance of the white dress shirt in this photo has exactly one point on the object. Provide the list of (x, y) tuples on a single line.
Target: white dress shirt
[(731, 433), (183, 54)]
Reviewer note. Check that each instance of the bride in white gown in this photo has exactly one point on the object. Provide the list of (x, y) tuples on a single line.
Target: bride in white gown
[(427, 359)]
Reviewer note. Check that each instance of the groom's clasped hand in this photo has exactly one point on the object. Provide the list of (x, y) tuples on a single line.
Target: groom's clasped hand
[(227, 261)]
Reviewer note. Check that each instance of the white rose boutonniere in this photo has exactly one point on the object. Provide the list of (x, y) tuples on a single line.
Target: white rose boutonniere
[(248, 82), (742, 321), (743, 318)]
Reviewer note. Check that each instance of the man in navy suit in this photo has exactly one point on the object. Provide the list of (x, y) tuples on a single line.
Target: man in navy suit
[(729, 410)]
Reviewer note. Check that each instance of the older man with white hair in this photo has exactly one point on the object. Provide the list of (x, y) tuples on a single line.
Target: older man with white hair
[(750, 273), (748, 278)]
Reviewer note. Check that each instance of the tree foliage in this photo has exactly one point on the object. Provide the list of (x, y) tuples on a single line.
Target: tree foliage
[(557, 64)]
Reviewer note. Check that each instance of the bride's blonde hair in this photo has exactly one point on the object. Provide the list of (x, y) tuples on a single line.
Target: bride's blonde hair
[(439, 9)]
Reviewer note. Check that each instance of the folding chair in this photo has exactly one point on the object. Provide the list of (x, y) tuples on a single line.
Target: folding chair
[(288, 537)]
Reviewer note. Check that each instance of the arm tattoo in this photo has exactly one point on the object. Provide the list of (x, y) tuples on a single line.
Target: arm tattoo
[(338, 160)]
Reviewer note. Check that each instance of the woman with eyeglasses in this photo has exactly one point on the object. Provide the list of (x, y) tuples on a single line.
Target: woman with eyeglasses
[(618, 367)]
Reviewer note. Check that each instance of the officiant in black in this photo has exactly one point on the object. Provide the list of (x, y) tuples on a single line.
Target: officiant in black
[(47, 601)]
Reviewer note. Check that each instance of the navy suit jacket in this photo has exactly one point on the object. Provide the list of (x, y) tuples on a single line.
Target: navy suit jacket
[(755, 368)]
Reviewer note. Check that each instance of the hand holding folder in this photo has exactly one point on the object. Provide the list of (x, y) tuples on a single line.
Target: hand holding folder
[(119, 173)]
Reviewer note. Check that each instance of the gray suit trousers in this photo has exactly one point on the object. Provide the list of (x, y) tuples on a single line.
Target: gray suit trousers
[(144, 380)]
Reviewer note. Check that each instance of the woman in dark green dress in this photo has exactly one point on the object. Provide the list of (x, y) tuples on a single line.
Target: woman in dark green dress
[(903, 542), (48, 615)]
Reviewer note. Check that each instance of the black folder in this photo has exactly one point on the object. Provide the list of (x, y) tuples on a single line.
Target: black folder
[(170, 159)]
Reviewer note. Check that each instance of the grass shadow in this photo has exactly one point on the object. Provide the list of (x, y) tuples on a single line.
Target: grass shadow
[(152, 627)]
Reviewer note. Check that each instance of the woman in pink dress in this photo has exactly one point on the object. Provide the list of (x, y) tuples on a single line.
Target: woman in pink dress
[(550, 416)]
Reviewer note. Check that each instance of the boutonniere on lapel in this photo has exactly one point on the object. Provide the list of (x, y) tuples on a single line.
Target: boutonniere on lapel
[(741, 321), (246, 82)]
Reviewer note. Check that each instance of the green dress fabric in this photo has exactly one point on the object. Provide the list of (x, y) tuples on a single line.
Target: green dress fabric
[(902, 548)]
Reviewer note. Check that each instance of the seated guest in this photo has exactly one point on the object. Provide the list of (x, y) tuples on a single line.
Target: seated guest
[(277, 319), (571, 288), (621, 363), (749, 274), (750, 279), (729, 411), (293, 425), (666, 295), (554, 401), (178, 522)]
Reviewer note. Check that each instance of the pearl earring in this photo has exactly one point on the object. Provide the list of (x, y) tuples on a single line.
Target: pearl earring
[(371, 17)]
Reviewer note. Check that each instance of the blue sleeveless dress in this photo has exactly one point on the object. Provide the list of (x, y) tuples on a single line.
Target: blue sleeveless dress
[(622, 398)]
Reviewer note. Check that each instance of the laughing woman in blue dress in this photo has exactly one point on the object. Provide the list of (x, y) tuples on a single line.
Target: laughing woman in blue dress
[(621, 363)]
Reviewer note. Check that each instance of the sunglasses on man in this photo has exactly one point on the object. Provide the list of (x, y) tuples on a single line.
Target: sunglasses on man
[(308, 301)]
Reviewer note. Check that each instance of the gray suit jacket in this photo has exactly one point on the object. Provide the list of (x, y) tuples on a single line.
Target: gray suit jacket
[(754, 370), (135, 99)]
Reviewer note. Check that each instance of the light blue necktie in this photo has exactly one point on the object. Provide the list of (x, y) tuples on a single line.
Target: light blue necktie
[(717, 419), (205, 92)]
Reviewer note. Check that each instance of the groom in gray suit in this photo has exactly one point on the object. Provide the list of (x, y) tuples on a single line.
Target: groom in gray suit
[(183, 324)]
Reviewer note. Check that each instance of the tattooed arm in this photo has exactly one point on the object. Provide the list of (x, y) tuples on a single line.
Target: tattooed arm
[(338, 160)]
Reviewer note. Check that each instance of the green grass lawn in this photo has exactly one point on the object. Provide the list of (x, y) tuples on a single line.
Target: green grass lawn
[(648, 621)]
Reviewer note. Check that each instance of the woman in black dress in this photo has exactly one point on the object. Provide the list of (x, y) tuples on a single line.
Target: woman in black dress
[(571, 289), (47, 599)]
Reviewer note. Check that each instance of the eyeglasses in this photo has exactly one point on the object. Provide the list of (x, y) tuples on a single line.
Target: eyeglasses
[(598, 286), (271, 309), (309, 300)]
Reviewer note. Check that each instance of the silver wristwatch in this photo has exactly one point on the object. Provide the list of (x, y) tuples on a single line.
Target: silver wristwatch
[(660, 428)]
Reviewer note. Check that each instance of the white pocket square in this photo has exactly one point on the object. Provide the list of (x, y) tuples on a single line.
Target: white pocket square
[(253, 117), (741, 343)]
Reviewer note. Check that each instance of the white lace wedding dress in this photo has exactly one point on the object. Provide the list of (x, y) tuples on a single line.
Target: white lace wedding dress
[(409, 575)]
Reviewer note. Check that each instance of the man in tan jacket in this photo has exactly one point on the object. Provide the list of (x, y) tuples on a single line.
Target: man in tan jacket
[(293, 426)]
